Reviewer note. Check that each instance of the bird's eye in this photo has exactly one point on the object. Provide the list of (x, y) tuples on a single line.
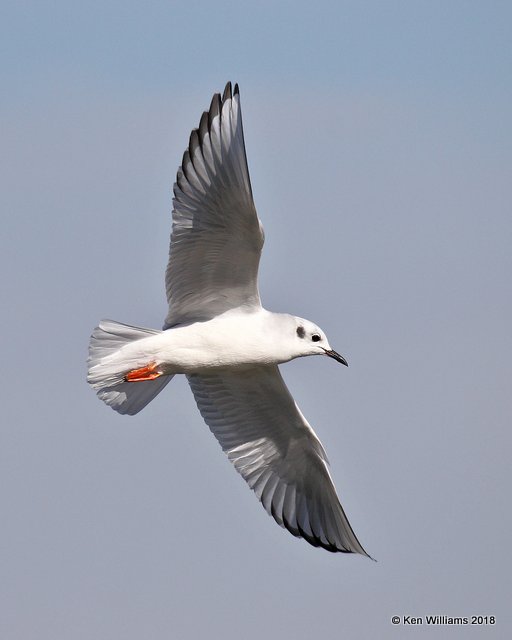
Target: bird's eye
[(315, 337)]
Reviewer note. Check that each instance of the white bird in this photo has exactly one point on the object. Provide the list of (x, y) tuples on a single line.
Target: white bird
[(229, 347)]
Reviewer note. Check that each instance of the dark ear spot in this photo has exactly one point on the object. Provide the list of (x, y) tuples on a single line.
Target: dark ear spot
[(301, 332)]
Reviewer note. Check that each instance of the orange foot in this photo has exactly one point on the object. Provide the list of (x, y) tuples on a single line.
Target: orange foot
[(146, 373)]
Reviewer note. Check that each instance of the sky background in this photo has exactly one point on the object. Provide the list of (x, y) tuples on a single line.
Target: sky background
[(379, 145)]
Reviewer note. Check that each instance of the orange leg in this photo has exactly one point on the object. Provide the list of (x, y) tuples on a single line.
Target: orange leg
[(149, 372)]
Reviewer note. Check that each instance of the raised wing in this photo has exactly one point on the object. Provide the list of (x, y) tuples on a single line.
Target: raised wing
[(263, 432), (216, 236)]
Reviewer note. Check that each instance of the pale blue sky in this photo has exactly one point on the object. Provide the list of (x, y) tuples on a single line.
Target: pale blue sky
[(379, 145)]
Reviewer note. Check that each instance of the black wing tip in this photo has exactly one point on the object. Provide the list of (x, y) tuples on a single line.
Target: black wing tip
[(180, 182), (197, 135), (184, 162), (203, 125), (228, 92), (316, 541), (313, 540), (194, 142), (215, 107)]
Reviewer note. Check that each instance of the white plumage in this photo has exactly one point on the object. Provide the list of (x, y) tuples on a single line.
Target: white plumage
[(217, 333)]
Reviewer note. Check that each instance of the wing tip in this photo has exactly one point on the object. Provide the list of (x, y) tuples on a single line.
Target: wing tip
[(228, 92), (215, 108), (180, 182), (185, 160), (315, 540), (194, 142), (203, 126), (205, 123)]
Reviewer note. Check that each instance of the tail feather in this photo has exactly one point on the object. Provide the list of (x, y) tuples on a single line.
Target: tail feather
[(112, 352), (128, 398)]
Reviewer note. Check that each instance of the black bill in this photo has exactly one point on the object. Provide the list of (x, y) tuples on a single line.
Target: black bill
[(336, 356)]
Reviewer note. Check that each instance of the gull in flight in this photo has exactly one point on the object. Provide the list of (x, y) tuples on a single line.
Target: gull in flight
[(217, 333)]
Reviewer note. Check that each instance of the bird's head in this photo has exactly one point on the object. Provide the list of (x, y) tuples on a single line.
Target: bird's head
[(310, 340)]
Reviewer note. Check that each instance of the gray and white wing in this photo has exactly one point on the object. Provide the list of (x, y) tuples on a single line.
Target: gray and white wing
[(257, 423), (216, 237)]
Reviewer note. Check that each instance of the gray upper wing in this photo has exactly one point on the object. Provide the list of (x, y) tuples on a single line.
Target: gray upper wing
[(257, 423), (216, 237)]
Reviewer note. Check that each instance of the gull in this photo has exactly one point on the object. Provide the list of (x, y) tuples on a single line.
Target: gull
[(228, 346)]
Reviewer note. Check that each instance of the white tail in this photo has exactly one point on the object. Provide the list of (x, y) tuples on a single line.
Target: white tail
[(109, 361)]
